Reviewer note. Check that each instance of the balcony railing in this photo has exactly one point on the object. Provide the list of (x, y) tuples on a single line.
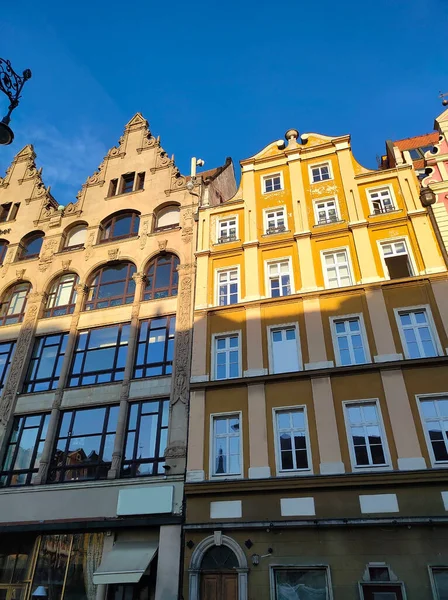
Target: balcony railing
[(272, 230), (224, 239), (379, 209)]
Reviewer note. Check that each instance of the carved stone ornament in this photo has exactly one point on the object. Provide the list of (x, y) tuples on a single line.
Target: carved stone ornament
[(66, 265), (46, 257), (20, 273), (81, 288), (183, 341), (162, 245), (139, 277), (113, 253), (89, 244), (176, 450), (144, 234)]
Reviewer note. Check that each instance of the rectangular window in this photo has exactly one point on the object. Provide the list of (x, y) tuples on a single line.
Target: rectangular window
[(298, 582), (434, 413), (140, 181), (227, 231), (155, 347), (113, 186), (4, 211), (275, 220), (416, 333), (439, 576), (272, 183), (226, 445), (350, 341), (284, 349), (381, 201), (326, 211), (292, 440), (337, 271), (146, 438), (84, 444), (227, 287), (100, 355), (24, 450), (127, 183), (320, 173), (396, 258), (279, 278), (14, 211), (227, 356), (6, 353), (45, 363), (366, 436)]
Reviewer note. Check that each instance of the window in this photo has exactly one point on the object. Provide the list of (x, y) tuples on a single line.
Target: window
[(140, 181), (14, 210), (272, 183), (31, 246), (120, 227), (381, 201), (62, 296), (24, 450), (8, 212), (228, 283), (396, 258), (146, 438), (275, 220), (84, 444), (320, 173), (279, 278), (434, 411), (227, 230), (113, 186), (365, 433), (416, 334), (3, 249), (292, 440), (301, 582), (112, 286), (381, 591), (439, 577), (100, 355), (127, 183), (155, 347), (226, 453), (13, 306), (227, 356), (162, 277), (167, 218), (284, 349), (6, 352), (337, 272), (45, 363), (349, 339), (76, 238), (326, 211)]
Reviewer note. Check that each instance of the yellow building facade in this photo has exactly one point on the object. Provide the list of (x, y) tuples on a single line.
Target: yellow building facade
[(317, 449)]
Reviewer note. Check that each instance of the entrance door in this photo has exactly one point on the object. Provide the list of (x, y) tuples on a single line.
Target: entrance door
[(383, 592), (219, 586)]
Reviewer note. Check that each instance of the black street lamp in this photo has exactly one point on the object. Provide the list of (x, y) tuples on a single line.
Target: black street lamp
[(11, 84)]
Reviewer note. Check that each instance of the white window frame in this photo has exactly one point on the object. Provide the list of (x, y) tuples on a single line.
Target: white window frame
[(212, 474), (411, 258), (286, 473), (226, 270), (431, 325), (380, 189), (264, 178), (435, 464), (271, 328), (320, 165), (323, 253), (268, 281), (218, 228), (240, 353), (325, 200), (292, 567), (274, 209), (355, 468), (362, 331), (435, 593), (379, 584)]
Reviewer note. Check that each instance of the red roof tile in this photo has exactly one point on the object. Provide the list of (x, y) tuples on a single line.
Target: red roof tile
[(418, 141)]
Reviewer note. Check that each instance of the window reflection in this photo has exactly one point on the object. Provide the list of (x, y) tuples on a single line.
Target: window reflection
[(112, 286), (6, 353), (31, 247), (155, 347), (14, 304), (162, 277), (45, 363), (62, 296), (120, 226)]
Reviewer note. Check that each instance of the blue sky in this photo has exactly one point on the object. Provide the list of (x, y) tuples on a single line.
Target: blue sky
[(219, 79)]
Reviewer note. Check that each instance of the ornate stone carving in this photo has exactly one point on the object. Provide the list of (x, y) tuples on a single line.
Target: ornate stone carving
[(98, 176), (187, 225), (162, 245), (66, 265), (183, 337), (113, 253), (89, 249), (81, 288), (46, 257), (144, 233), (139, 277), (176, 450), (20, 273)]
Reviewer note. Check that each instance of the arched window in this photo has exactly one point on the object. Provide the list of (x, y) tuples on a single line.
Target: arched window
[(62, 296), (31, 246), (161, 277), (76, 237), (120, 226), (13, 306), (3, 249), (112, 285), (167, 218), (219, 558)]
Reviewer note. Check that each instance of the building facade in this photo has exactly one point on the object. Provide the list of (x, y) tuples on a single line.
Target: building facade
[(318, 448), (95, 343)]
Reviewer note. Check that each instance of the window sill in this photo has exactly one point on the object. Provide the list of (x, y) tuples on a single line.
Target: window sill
[(116, 240), (273, 233), (371, 469), (324, 223), (321, 181), (385, 213), (301, 473), (167, 230), (27, 259), (218, 244), (123, 195), (273, 192), (67, 250)]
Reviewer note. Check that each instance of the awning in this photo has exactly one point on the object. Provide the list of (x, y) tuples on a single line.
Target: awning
[(125, 563)]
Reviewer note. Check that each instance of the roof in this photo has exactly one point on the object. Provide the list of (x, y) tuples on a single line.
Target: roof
[(212, 173), (416, 142)]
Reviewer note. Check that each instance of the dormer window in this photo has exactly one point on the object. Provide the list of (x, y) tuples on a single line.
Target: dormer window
[(129, 182)]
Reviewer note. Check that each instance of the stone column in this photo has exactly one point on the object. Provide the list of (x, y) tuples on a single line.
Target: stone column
[(168, 566), (45, 460), (117, 455), (20, 361)]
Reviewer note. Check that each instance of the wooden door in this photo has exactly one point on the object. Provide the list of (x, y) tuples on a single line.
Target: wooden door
[(383, 592), (219, 586)]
